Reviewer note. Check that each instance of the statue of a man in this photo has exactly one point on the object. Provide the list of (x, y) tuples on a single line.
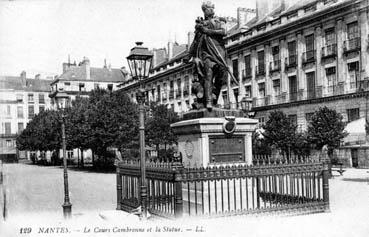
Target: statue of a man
[(208, 55)]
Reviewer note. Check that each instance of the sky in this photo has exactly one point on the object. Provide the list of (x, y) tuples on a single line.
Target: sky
[(38, 35)]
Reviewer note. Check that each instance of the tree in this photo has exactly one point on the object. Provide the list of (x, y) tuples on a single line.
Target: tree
[(280, 132), (77, 129), (43, 133), (112, 121), (259, 146), (158, 130), (326, 128)]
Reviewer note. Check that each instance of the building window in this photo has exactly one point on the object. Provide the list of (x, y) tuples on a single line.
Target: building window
[(110, 87), (352, 30), (277, 87), (310, 48), (235, 68), (41, 98), (310, 85), (308, 117), (353, 114), (20, 111), (31, 112), (275, 65), (9, 143), (261, 89), (19, 97), (81, 87), (353, 71), (293, 88), (331, 78), (247, 72), (179, 88), (7, 126), (20, 127), (158, 93), (186, 88), (30, 98), (293, 118), (330, 36), (261, 122), (248, 91), (41, 108), (261, 63), (291, 46)]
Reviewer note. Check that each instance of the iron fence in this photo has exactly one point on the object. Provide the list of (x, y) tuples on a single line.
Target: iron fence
[(268, 186)]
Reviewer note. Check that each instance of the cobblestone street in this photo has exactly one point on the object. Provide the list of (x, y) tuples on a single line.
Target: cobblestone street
[(32, 188)]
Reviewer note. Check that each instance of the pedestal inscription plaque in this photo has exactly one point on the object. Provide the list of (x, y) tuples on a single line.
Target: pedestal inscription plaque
[(226, 149)]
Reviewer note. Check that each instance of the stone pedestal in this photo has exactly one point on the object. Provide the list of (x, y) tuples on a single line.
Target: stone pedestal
[(215, 140)]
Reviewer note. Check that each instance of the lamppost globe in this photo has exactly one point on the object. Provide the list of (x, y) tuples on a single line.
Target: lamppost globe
[(139, 62), (62, 100), (246, 104)]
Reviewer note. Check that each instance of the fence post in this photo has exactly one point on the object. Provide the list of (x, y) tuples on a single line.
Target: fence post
[(326, 185), (119, 190), (178, 200)]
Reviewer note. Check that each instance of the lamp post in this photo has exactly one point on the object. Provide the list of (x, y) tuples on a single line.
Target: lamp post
[(62, 102), (246, 104), (139, 62)]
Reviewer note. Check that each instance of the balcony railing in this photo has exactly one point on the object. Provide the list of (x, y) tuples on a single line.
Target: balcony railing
[(329, 51), (275, 66), (308, 56), (351, 45), (260, 70), (291, 61)]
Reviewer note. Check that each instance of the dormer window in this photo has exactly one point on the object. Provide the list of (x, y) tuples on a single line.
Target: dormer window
[(293, 14), (310, 8)]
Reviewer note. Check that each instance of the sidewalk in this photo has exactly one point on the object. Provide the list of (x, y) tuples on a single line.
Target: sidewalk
[(349, 198)]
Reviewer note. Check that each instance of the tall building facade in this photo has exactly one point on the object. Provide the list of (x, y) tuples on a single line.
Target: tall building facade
[(21, 99), (170, 80), (303, 56), (79, 80)]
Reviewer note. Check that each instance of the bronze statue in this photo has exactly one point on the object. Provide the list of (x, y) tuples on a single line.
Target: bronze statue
[(208, 55)]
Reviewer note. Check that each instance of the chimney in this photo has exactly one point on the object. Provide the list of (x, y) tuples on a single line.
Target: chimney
[(264, 7), (105, 66), (23, 78), (244, 15), (65, 67), (37, 77), (190, 37), (86, 65), (170, 50)]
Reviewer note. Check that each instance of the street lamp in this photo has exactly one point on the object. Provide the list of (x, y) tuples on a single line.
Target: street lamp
[(139, 62), (246, 105), (62, 102)]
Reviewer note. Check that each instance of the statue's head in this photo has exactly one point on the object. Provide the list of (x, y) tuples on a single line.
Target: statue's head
[(208, 8)]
